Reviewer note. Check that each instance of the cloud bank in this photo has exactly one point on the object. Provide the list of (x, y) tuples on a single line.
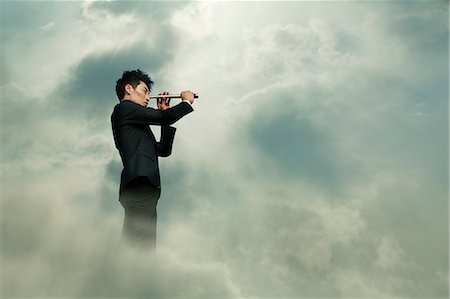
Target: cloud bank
[(315, 163)]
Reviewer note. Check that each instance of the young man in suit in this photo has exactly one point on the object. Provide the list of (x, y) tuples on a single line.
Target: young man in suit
[(140, 186)]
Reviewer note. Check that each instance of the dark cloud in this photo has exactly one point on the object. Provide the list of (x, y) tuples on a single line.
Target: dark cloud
[(416, 21), (294, 144), (346, 42), (91, 87), (421, 28), (113, 170), (21, 20), (297, 148)]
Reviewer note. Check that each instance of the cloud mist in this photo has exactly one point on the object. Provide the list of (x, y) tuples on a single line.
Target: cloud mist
[(315, 164)]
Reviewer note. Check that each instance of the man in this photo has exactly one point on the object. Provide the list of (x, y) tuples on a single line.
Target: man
[(140, 186)]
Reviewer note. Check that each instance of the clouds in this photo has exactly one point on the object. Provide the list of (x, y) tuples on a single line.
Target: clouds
[(312, 166), (308, 153), (150, 10), (91, 84)]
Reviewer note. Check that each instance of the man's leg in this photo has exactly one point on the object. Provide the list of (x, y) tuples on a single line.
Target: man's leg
[(139, 199)]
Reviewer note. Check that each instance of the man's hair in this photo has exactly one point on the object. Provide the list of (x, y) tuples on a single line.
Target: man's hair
[(132, 77)]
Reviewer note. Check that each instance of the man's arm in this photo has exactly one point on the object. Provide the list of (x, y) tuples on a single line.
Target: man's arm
[(164, 147), (139, 115)]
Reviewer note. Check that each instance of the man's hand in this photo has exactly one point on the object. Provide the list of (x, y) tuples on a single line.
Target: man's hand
[(187, 96), (163, 103)]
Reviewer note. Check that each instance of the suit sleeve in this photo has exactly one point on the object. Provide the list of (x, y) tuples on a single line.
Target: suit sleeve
[(165, 145), (139, 115)]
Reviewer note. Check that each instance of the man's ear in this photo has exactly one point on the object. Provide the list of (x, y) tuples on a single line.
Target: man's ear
[(129, 88)]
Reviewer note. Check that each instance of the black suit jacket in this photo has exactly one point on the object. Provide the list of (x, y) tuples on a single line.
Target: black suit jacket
[(135, 141)]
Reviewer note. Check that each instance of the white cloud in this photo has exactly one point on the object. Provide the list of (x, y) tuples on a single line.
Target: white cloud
[(194, 21), (47, 26), (390, 254)]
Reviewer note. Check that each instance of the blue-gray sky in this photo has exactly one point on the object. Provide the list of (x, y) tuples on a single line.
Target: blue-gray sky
[(314, 165)]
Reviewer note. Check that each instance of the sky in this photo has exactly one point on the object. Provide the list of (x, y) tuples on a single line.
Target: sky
[(315, 164)]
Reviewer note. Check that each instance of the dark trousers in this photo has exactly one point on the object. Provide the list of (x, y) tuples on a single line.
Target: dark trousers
[(139, 199)]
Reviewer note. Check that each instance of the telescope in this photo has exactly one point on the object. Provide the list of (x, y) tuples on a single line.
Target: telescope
[(171, 96)]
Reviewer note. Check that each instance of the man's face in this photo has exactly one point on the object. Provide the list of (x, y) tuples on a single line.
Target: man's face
[(140, 94)]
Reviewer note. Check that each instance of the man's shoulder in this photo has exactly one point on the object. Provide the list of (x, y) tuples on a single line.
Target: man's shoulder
[(119, 110), (124, 105)]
